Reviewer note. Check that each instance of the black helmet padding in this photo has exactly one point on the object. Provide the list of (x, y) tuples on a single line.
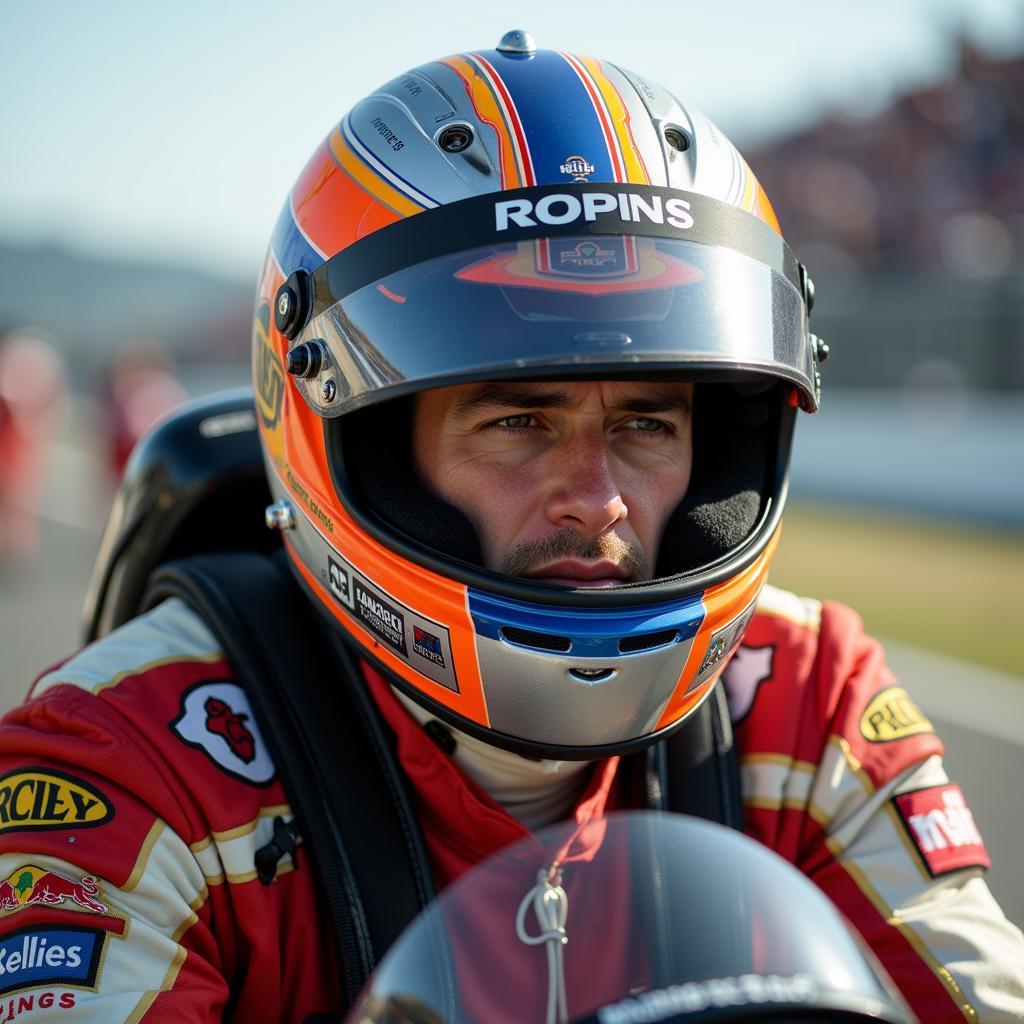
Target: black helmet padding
[(732, 454)]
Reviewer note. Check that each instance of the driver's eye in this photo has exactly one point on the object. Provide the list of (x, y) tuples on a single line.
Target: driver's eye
[(515, 422)]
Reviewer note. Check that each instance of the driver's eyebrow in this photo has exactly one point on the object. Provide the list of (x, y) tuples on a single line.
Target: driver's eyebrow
[(675, 401), (519, 396), (513, 396)]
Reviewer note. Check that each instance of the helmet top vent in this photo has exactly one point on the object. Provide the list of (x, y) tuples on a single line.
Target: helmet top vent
[(517, 42)]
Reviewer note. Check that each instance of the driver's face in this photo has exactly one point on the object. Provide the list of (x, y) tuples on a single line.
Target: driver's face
[(566, 482)]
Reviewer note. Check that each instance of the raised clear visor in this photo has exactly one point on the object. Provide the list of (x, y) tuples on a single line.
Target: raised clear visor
[(637, 917), (595, 303)]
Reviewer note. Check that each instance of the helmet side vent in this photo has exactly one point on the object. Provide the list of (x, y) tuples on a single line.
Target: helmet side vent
[(648, 641), (541, 641)]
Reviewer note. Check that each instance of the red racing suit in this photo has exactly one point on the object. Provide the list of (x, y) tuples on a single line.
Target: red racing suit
[(135, 788)]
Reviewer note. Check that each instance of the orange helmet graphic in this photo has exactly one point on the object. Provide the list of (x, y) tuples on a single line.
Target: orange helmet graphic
[(527, 214)]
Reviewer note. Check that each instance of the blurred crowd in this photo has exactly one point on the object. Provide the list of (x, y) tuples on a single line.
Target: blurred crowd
[(933, 185)]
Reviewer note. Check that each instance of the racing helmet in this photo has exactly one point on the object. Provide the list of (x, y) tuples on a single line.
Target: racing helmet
[(521, 213)]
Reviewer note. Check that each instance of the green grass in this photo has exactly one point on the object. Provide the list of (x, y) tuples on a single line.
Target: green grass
[(951, 588)]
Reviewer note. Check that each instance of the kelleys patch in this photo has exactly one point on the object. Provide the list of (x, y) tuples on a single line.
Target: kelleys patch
[(31, 885), (942, 829), (56, 955), (217, 718), (41, 798), (892, 715)]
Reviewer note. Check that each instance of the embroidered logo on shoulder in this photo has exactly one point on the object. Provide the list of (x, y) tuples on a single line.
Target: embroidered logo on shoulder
[(41, 798), (68, 955), (31, 885), (892, 715), (217, 718), (942, 828), (743, 676)]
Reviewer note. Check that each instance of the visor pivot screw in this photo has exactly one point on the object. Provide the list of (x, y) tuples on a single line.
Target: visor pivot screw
[(455, 138), (280, 515), (807, 287), (677, 139), (328, 390), (291, 303), (820, 348), (304, 360), (518, 43)]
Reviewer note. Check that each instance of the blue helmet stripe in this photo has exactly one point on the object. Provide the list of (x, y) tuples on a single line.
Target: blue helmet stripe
[(290, 247), (594, 632), (554, 106)]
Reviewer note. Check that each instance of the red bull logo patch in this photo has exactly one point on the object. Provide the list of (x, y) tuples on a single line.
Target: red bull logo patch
[(31, 885), (217, 719)]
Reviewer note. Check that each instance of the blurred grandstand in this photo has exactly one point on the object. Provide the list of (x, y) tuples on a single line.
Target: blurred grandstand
[(911, 222)]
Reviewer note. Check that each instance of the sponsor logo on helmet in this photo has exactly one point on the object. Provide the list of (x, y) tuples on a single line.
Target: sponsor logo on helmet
[(586, 254), (721, 645), (32, 957), (268, 374), (422, 643), (340, 583), (303, 495), (217, 719), (579, 167), (384, 131), (892, 715), (562, 208), (381, 618), (428, 646), (587, 258), (942, 828), (31, 885), (40, 798)]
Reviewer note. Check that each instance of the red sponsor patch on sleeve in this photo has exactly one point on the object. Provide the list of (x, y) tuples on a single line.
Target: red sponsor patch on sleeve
[(942, 828)]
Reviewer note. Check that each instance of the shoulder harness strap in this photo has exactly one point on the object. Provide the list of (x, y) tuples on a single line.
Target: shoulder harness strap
[(696, 771), (333, 753)]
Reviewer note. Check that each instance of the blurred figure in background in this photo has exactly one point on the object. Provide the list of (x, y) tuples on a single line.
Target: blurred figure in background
[(140, 387), (33, 404)]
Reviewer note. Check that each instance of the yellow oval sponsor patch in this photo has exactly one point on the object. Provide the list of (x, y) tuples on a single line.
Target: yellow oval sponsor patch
[(41, 798), (892, 715)]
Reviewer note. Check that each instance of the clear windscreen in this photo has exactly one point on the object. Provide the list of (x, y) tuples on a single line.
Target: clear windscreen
[(638, 917), (595, 303)]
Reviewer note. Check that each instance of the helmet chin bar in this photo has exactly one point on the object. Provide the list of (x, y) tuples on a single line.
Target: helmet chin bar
[(534, 750)]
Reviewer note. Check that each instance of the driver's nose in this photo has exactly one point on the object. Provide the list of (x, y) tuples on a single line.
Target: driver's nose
[(584, 494)]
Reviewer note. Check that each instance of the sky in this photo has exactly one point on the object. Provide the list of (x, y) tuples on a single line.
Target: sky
[(173, 132)]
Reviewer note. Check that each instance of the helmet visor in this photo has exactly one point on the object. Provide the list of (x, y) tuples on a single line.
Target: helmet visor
[(562, 306)]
